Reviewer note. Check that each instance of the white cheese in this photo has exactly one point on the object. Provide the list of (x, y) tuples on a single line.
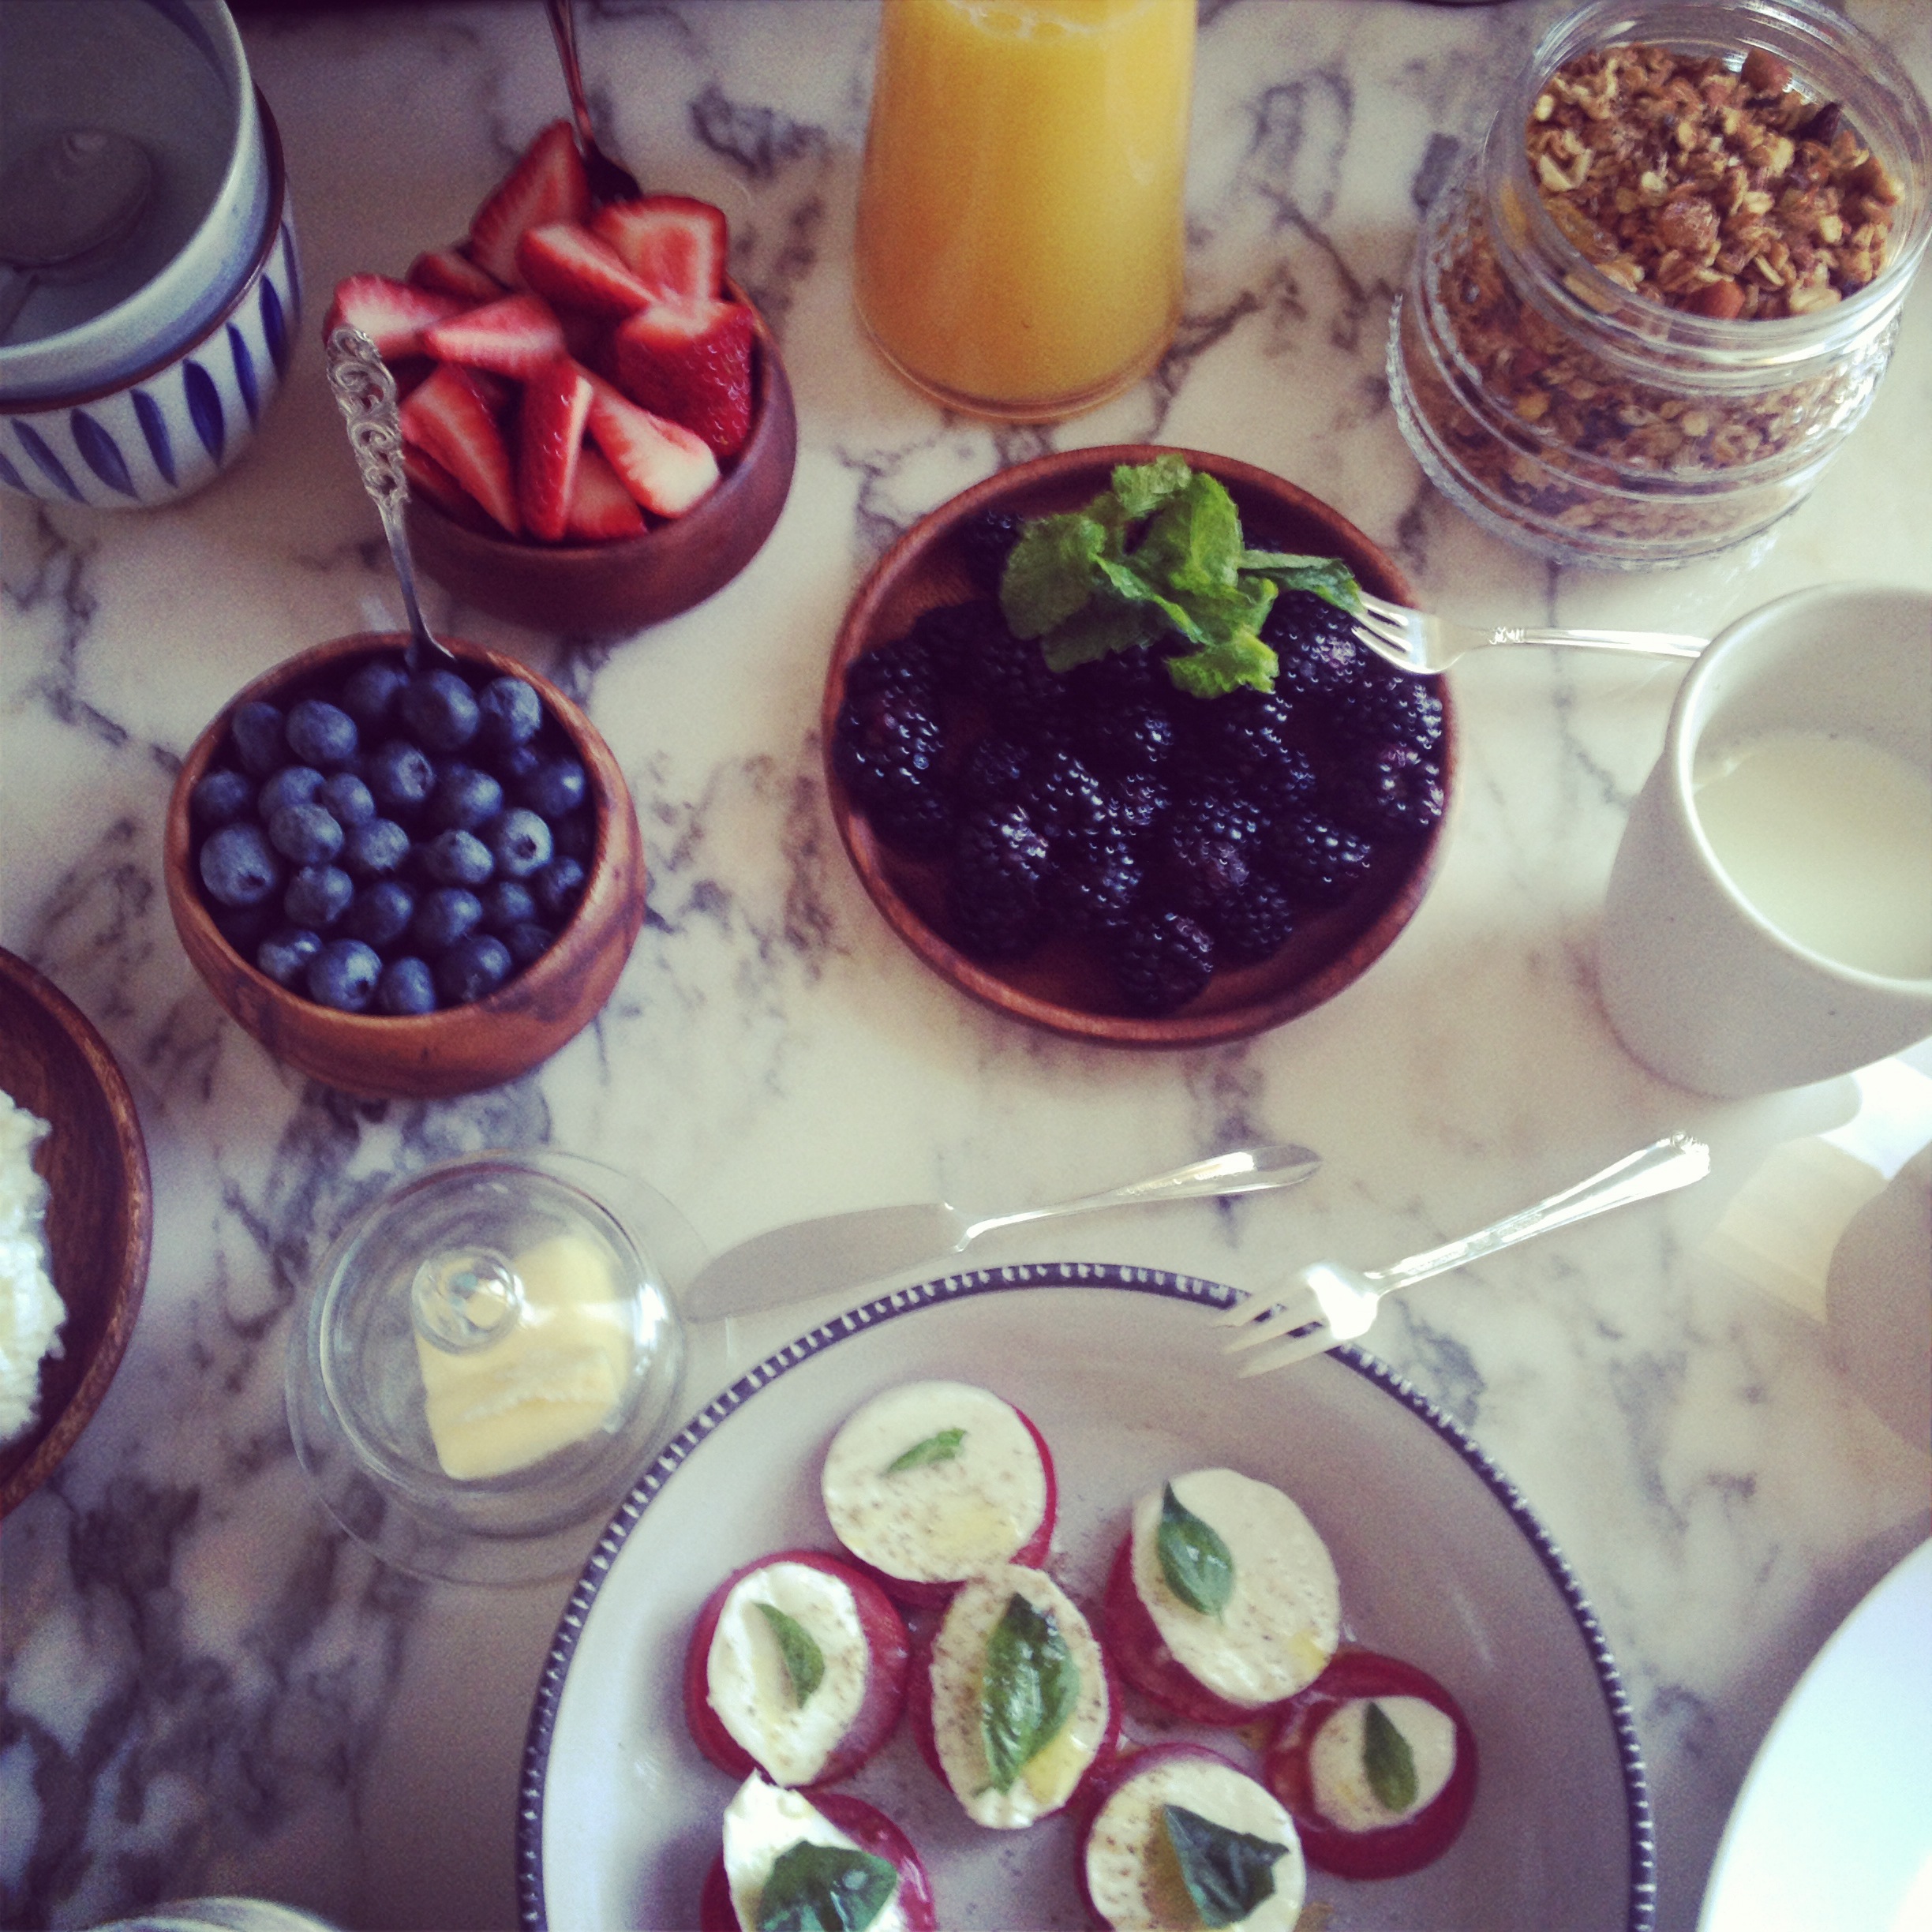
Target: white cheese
[(31, 1312), (1281, 1627), (750, 1687), (760, 1823), (1047, 1778), (1132, 1875), (1338, 1771), (942, 1519)]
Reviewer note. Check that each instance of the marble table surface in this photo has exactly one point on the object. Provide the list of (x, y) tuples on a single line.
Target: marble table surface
[(208, 1687)]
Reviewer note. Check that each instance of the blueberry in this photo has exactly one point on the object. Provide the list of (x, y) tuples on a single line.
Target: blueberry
[(399, 776), (457, 859), (527, 941), (256, 729), (369, 694), (321, 733), (284, 955), (464, 797), (478, 965), (219, 798), (407, 987), (307, 833), (556, 786), (506, 904), (293, 784), (375, 849), (514, 765), (348, 798), (443, 917), (343, 975), (574, 837), (556, 887), (318, 896), (519, 842), (510, 713), (239, 867), (380, 912), (441, 710)]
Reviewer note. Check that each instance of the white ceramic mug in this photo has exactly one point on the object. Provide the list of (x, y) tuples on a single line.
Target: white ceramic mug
[(1701, 985)]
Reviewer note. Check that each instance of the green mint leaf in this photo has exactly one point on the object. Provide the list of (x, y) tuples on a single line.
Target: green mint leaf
[(1051, 573), (1388, 1761), (1228, 1874), (1221, 668), (1028, 1689), (818, 1888), (1103, 628), (804, 1662), (1139, 490), (1199, 1567), (1326, 577), (941, 1448), (1195, 543), (1132, 585)]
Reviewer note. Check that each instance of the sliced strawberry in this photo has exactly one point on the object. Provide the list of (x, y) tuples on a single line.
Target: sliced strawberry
[(547, 185), (666, 468), (690, 359), (550, 431), (427, 478), (392, 314), (677, 245), (515, 337), (567, 262), (450, 272), (450, 419), (602, 510)]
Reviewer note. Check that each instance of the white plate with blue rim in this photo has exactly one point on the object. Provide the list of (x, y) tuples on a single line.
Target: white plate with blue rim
[(1440, 1560)]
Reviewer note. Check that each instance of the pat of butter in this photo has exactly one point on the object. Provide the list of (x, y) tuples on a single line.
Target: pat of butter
[(552, 1380)]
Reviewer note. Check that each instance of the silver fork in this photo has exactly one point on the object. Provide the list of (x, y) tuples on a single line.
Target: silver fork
[(1419, 640), (1327, 1303)]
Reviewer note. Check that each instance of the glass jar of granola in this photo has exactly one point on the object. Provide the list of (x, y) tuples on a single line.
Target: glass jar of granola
[(1647, 312)]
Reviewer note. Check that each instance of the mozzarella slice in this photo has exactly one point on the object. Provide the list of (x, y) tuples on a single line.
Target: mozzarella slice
[(1281, 1627), (1132, 1875), (1046, 1780), (944, 1518), (760, 1823), (1338, 1773), (748, 1685)]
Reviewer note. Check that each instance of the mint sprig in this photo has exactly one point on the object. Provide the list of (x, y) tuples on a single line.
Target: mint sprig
[(804, 1662), (1387, 1762), (1028, 1689), (1197, 1563), (1159, 553), (941, 1448), (1228, 1874), (820, 1887)]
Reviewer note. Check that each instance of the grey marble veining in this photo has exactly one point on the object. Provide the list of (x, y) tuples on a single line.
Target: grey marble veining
[(208, 1687)]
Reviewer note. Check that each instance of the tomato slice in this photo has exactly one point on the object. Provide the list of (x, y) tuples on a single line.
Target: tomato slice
[(889, 1650), (1392, 1850), (869, 1829)]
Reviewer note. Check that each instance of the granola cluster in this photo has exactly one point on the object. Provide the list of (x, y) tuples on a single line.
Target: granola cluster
[(1730, 194)]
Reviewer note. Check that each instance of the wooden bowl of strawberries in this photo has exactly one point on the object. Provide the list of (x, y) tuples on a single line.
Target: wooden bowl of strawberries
[(597, 428)]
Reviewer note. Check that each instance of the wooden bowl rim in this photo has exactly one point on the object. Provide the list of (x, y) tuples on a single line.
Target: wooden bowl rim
[(1074, 473), (28, 1462), (414, 1035)]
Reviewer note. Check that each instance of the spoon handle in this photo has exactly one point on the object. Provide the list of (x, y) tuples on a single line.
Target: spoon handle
[(366, 394)]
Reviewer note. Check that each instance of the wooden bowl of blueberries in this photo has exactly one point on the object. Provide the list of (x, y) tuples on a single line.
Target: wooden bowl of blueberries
[(405, 884), (1084, 817)]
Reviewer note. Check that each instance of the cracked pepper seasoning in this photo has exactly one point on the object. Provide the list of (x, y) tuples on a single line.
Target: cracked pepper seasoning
[(1642, 319)]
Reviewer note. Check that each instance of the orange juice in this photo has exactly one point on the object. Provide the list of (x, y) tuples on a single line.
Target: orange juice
[(1020, 237)]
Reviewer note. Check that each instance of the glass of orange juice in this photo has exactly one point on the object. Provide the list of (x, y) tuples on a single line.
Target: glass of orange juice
[(1020, 235)]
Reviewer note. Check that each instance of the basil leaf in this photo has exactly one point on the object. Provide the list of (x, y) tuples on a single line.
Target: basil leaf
[(1199, 1567), (1028, 1690), (941, 1448), (804, 1662), (1228, 1874), (1388, 1761), (1325, 577), (817, 1888)]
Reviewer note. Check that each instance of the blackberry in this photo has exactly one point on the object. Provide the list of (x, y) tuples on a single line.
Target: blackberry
[(918, 821), (1315, 860), (1203, 850), (1252, 924), (1389, 707), (1120, 680), (1009, 675), (1161, 962), (885, 746), (995, 772), (1391, 789), (997, 899), (1062, 797), (1139, 803), (1285, 787), (1137, 738), (948, 637), (1097, 885), (903, 666), (1243, 736), (987, 540), (1314, 641)]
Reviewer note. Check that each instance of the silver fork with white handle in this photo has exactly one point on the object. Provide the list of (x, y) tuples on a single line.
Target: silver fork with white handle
[(1328, 1303), (1418, 640)]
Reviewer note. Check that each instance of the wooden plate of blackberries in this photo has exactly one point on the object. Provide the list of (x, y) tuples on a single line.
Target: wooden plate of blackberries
[(1180, 813)]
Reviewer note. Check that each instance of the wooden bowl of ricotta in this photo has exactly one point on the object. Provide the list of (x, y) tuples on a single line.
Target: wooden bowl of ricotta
[(99, 1215)]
